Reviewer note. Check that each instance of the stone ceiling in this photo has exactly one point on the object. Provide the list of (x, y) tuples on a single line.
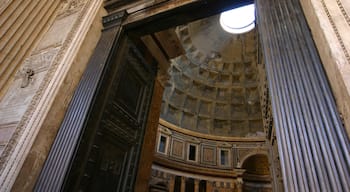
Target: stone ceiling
[(213, 87)]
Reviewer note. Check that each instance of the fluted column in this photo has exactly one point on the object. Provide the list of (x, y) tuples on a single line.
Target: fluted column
[(209, 186), (171, 184), (183, 184), (239, 184), (196, 185), (313, 146)]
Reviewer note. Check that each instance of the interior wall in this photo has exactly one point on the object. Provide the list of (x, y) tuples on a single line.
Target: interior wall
[(45, 137), (54, 56), (37, 101), (20, 31)]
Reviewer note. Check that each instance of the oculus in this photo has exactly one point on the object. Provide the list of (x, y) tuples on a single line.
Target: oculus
[(238, 20)]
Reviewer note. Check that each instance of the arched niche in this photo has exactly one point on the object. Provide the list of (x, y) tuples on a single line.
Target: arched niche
[(257, 173)]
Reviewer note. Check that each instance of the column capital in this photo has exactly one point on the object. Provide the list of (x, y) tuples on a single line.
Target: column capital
[(239, 180)]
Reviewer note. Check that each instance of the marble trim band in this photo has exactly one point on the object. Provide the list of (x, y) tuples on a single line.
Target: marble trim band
[(188, 174), (335, 29), (343, 11)]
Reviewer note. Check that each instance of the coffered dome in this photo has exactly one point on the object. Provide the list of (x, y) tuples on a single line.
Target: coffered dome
[(213, 87)]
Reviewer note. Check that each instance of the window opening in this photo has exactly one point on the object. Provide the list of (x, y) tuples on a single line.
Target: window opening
[(162, 144), (192, 152), (224, 158)]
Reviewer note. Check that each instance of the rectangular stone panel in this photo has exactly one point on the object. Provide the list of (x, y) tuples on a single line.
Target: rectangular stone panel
[(173, 115), (177, 149), (238, 111), (204, 124), (9, 114), (223, 94), (222, 110), (189, 121), (205, 108), (209, 155), (191, 104), (184, 83), (222, 126), (239, 128), (178, 98), (52, 38), (6, 131), (256, 126)]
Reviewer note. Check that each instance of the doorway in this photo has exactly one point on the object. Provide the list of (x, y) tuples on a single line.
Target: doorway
[(109, 67)]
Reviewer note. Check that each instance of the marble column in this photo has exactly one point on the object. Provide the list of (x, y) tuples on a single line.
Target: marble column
[(183, 184), (196, 185), (209, 186), (313, 146), (171, 184)]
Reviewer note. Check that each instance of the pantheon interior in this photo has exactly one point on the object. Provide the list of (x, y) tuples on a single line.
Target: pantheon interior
[(164, 96)]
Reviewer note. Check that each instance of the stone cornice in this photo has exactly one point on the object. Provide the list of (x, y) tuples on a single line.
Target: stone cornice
[(224, 173), (114, 19), (207, 136)]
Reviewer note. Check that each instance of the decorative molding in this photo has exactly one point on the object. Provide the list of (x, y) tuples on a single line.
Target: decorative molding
[(41, 61), (211, 177), (335, 29), (250, 152), (69, 7), (343, 11), (27, 75), (165, 130), (208, 136), (208, 150)]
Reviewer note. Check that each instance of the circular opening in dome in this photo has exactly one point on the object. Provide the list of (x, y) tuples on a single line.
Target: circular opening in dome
[(238, 20)]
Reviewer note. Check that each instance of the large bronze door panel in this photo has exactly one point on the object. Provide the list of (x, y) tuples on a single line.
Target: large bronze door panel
[(105, 152), (113, 150)]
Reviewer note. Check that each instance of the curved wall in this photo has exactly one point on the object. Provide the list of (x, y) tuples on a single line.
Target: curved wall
[(218, 161)]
